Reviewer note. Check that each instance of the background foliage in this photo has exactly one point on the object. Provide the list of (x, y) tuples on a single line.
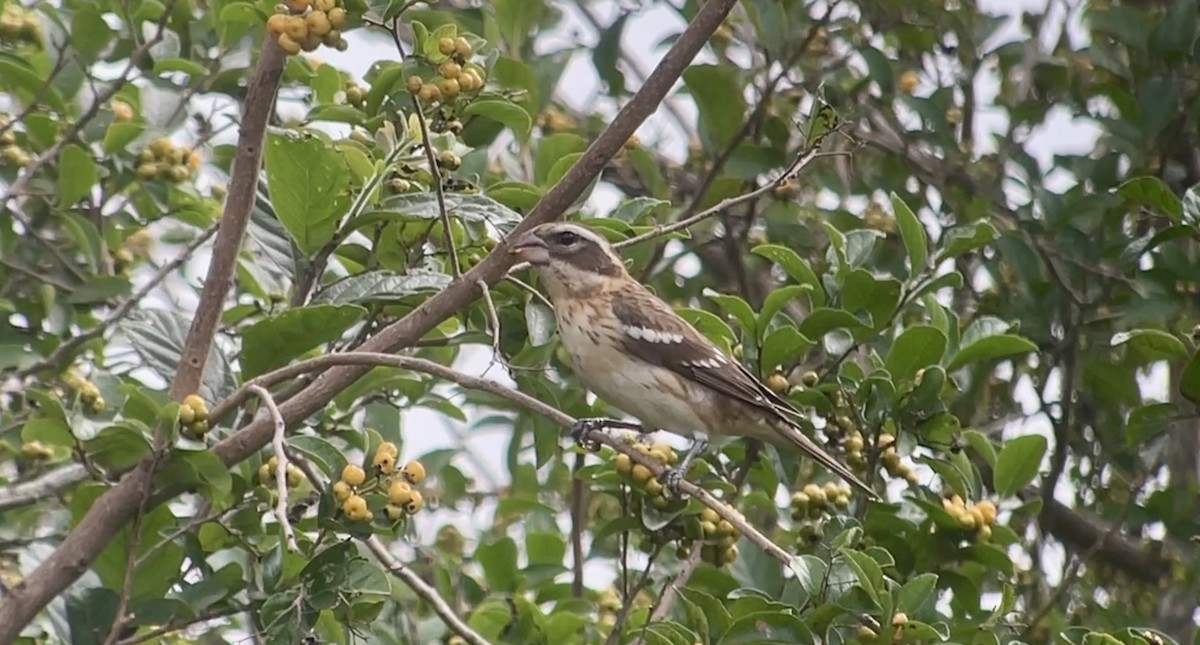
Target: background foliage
[(1000, 336)]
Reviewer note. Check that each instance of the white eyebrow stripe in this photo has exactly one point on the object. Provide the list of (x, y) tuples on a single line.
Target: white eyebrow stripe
[(652, 335)]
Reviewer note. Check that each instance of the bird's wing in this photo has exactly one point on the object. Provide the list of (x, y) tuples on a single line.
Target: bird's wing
[(653, 332)]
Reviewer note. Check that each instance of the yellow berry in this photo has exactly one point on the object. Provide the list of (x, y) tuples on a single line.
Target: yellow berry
[(289, 46), (318, 23), (449, 88), (641, 473), (198, 428), (977, 515), (708, 528), (461, 47), (985, 533), (988, 510), (777, 383), (324, 5), (446, 46), (414, 472), (624, 464), (393, 512), (415, 503), (866, 634), (355, 507), (709, 515), (724, 527), (660, 456), (400, 493), (900, 619), (429, 93), (800, 500), (276, 24), (414, 84), (295, 28), (264, 475), (121, 112), (297, 6), (388, 447), (816, 494), (337, 18), (353, 475), (908, 82), (384, 462), (187, 415), (341, 491), (832, 490), (198, 405), (450, 69), (294, 476)]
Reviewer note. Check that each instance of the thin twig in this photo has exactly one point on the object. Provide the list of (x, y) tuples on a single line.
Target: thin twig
[(493, 321), (670, 593), (62, 351), (425, 591), (281, 458), (631, 595), (120, 618), (578, 524), (792, 170), (178, 625)]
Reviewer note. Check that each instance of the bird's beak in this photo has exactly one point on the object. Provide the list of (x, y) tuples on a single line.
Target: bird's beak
[(531, 248)]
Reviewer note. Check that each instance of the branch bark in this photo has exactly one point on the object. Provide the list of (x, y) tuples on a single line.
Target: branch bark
[(117, 506)]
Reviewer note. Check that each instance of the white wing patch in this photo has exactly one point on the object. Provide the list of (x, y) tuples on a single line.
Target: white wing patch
[(709, 363), (652, 335)]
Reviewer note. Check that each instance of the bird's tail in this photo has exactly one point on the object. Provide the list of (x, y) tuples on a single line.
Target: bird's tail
[(818, 454)]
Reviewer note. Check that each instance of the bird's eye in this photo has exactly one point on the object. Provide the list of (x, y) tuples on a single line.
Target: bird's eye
[(567, 238)]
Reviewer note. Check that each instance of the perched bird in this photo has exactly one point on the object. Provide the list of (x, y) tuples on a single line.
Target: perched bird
[(636, 353)]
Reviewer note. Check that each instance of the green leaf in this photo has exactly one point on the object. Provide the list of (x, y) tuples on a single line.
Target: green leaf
[(118, 446), (309, 184), (51, 431), (768, 627), (499, 562), (796, 267), (811, 572), (867, 570), (1018, 463), (989, 348), (1153, 193), (100, 288), (1189, 379), (321, 452), (775, 301), (607, 53), (90, 34), (119, 135), (736, 307), (716, 614), (503, 111), (539, 320), (637, 209), (915, 592), (550, 150), (916, 348), (912, 231), (189, 468), (720, 100), (76, 174), (380, 286), (561, 168), (784, 346), (158, 337), (424, 206), (1151, 344), (824, 320), (184, 65), (1150, 421), (273, 342), (964, 239), (982, 446)]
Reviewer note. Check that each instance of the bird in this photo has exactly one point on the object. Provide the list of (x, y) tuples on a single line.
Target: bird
[(630, 348)]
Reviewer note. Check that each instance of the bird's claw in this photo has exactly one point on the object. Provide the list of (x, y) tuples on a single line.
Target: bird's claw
[(582, 431), (672, 480)]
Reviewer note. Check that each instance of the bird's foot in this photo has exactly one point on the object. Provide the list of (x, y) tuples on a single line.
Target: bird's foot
[(672, 480), (582, 431)]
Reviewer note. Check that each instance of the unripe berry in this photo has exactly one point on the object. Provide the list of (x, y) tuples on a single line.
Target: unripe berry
[(337, 18), (318, 23), (288, 45), (429, 93), (414, 84)]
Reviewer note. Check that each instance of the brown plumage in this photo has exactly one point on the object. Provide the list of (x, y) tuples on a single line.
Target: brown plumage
[(636, 353)]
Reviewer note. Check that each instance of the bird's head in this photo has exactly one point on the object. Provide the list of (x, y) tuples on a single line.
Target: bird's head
[(572, 260)]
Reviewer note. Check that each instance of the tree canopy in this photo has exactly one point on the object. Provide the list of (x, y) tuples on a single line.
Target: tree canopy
[(253, 256)]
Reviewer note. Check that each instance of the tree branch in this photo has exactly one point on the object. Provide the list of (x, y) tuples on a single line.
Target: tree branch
[(117, 506), (281, 459)]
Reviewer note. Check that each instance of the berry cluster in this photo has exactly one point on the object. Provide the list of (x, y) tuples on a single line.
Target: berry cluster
[(642, 477), (122, 112), (11, 154), (19, 25), (193, 416), (137, 245), (307, 24), (974, 518), (720, 539), (813, 504), (164, 160), (89, 394), (890, 459), (267, 472), (867, 634), (396, 484), (454, 74)]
